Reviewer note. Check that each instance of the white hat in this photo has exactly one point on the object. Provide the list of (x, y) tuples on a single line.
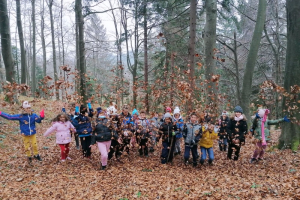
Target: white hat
[(176, 110), (261, 112), (111, 110), (224, 113), (26, 104)]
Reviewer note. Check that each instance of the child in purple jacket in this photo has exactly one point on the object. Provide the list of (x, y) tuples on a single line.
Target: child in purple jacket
[(63, 128)]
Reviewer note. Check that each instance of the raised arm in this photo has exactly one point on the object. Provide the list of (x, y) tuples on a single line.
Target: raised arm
[(50, 130), (10, 117)]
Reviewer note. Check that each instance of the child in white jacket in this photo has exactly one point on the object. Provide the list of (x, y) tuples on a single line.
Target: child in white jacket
[(63, 128)]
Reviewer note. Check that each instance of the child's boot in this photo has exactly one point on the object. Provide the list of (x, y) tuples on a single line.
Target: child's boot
[(29, 159), (225, 148), (220, 146), (103, 168), (38, 157)]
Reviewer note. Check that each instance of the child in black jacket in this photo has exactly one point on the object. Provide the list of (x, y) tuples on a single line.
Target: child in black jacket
[(167, 133)]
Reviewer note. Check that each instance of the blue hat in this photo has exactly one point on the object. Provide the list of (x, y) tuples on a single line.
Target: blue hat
[(135, 112), (99, 110), (238, 109)]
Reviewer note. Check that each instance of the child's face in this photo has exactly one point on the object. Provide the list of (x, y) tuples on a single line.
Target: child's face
[(176, 116), (62, 118), (167, 120), (211, 127), (27, 110), (194, 118), (143, 115), (238, 114)]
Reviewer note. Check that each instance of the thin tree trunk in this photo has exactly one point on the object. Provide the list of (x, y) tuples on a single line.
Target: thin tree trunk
[(53, 48), (191, 50), (33, 66), (172, 79), (61, 33), (290, 137), (43, 41), (251, 60), (22, 47), (81, 52), (147, 106), (236, 63), (6, 42)]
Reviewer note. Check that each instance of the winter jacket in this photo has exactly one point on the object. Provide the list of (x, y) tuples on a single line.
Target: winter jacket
[(71, 117), (103, 132), (145, 130), (166, 132), (223, 124), (63, 131), (127, 119), (83, 126), (237, 129), (27, 122), (180, 125), (192, 133), (256, 126), (207, 139)]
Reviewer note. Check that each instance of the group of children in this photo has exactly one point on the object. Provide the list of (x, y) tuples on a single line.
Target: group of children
[(115, 134)]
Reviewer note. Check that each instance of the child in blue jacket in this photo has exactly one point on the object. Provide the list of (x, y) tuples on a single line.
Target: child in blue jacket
[(27, 122)]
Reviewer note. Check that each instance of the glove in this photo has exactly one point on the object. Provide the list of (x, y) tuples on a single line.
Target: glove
[(173, 133), (0, 112), (63, 110), (286, 119), (42, 113), (77, 109), (89, 105)]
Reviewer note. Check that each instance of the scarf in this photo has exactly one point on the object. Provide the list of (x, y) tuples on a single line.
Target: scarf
[(238, 118), (264, 119)]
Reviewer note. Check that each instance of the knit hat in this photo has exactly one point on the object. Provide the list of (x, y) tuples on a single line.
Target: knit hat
[(26, 104), (99, 110), (111, 110), (238, 109), (135, 112), (176, 110), (224, 113), (168, 109), (261, 112), (167, 115)]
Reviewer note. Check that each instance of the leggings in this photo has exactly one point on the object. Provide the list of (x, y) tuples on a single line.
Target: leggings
[(64, 150), (85, 144), (103, 149), (259, 150)]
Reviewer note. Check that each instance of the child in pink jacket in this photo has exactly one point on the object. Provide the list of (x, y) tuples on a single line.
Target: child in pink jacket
[(63, 128)]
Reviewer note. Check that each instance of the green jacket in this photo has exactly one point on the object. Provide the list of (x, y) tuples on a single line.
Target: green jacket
[(256, 126)]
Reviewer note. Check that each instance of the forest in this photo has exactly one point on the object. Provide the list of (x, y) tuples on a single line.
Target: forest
[(204, 56)]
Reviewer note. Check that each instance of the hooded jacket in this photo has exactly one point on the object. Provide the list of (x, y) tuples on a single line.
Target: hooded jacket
[(237, 129), (192, 133), (103, 132), (62, 129), (166, 131), (207, 139), (26, 121), (256, 126), (83, 124)]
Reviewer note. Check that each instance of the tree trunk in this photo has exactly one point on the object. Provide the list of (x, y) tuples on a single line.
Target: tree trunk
[(191, 50), (43, 42), (251, 60), (210, 62), (6, 42), (53, 48), (290, 136), (146, 58), (22, 47), (172, 79), (237, 72), (33, 65), (81, 51), (61, 33)]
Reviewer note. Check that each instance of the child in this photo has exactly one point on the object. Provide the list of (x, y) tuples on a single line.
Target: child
[(71, 115), (135, 115), (84, 128), (206, 143), (102, 135), (126, 137), (236, 130), (191, 133), (115, 124), (63, 128), (143, 133), (27, 122), (223, 122), (179, 123), (261, 132), (167, 133)]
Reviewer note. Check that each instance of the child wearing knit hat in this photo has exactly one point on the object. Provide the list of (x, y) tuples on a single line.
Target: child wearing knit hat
[(179, 123), (223, 122)]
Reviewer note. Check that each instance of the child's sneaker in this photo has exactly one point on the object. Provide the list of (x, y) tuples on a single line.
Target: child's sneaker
[(253, 160), (38, 157), (68, 158), (29, 159), (63, 160), (103, 168)]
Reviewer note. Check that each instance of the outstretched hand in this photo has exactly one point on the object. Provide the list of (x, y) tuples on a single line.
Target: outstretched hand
[(42, 113), (286, 119)]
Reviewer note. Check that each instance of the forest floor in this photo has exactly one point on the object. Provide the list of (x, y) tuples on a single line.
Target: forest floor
[(276, 177)]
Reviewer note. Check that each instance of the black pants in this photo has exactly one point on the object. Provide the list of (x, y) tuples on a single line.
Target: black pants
[(143, 148), (237, 151), (76, 140), (167, 151), (114, 149), (85, 144)]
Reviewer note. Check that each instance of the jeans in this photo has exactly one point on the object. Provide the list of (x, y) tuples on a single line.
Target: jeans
[(177, 145), (187, 150), (223, 144), (167, 151), (208, 151)]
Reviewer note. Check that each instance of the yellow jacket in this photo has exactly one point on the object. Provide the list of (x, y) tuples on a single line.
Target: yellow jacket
[(207, 139)]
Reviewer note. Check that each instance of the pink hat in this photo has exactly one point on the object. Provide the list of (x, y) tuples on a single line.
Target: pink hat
[(168, 109)]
